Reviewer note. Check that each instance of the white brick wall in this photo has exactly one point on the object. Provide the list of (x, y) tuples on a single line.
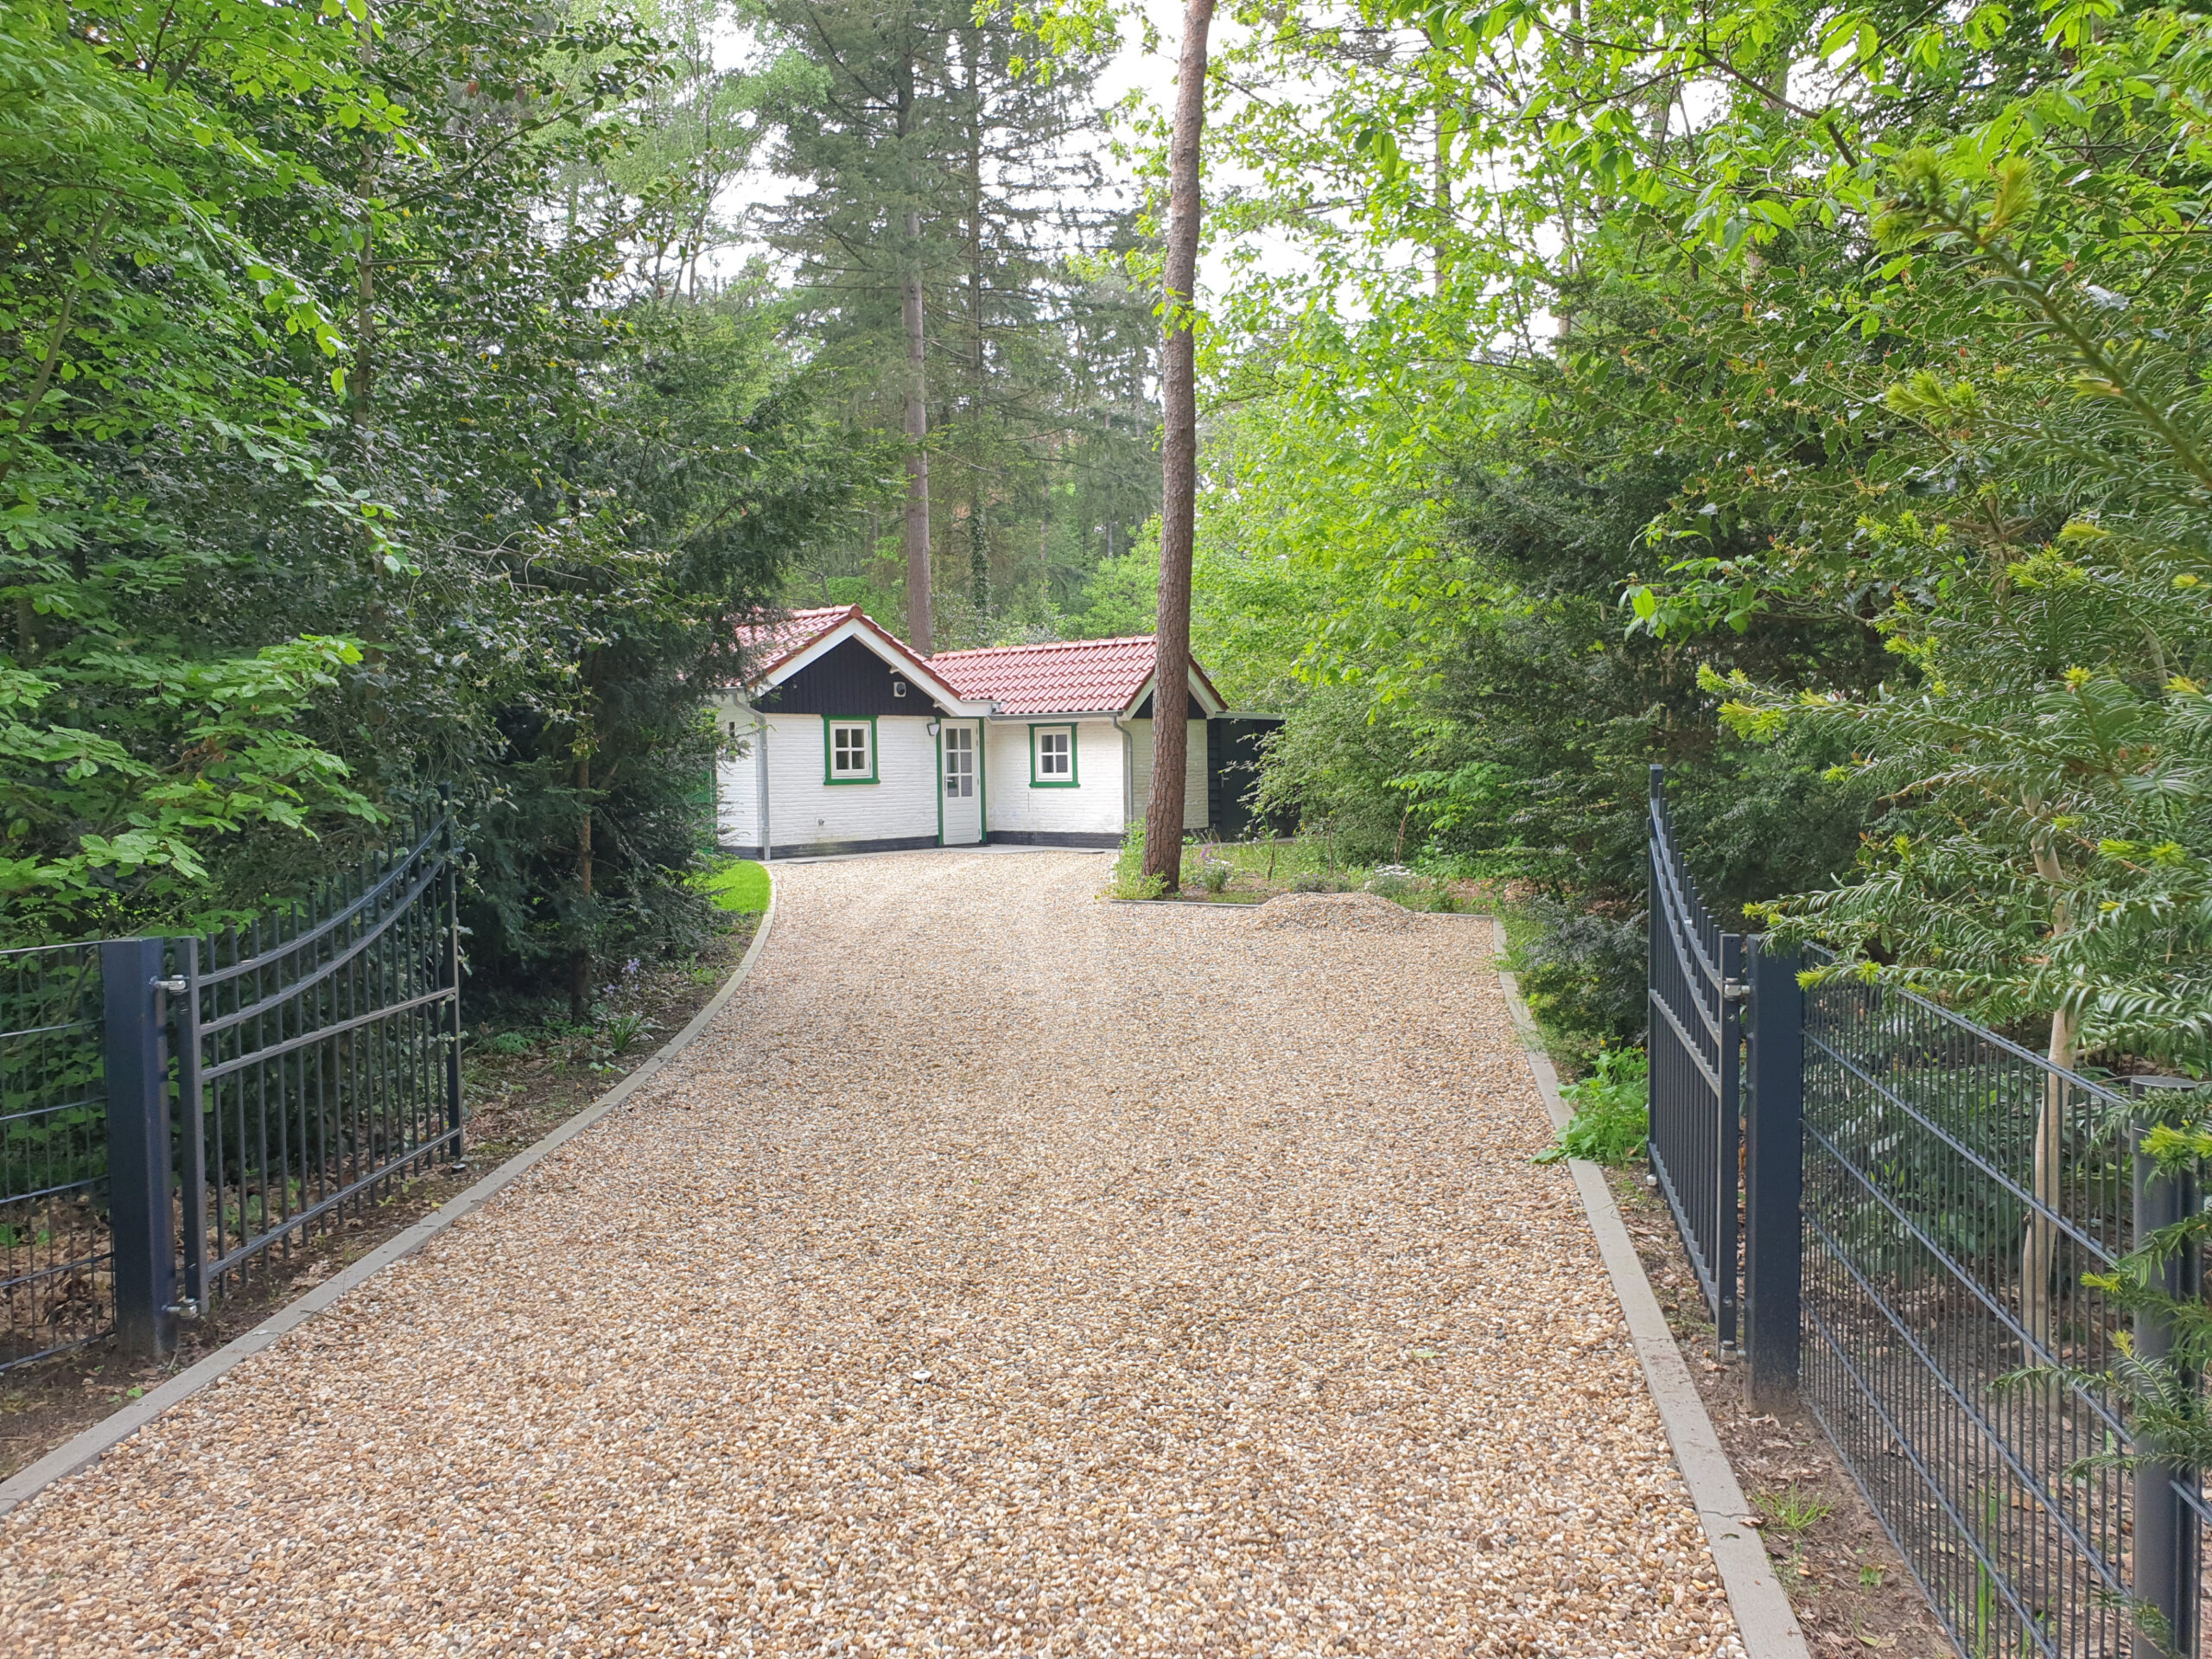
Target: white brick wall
[(1194, 772), (1094, 807), (903, 804), (804, 810), (737, 778)]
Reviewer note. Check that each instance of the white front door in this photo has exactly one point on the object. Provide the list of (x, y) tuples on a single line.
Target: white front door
[(963, 783)]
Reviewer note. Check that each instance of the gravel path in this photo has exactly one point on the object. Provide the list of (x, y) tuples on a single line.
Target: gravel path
[(1005, 1273)]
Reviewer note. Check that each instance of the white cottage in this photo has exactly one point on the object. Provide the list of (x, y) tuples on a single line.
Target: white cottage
[(847, 741)]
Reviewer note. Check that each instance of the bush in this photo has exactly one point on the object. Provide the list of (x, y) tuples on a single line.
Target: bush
[(1396, 881), (1584, 975), (1612, 1112)]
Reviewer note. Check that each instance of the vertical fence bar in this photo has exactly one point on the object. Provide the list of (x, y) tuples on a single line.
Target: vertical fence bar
[(1774, 1176), (449, 966), (138, 1147), (1727, 1254), (192, 1127), (2166, 1552)]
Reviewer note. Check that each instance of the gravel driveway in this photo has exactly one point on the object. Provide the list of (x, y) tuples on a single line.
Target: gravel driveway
[(1005, 1273)]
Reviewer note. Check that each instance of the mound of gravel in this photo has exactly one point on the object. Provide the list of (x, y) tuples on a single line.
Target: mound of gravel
[(1349, 912)]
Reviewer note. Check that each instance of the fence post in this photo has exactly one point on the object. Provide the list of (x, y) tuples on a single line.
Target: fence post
[(2166, 1549), (449, 971), (139, 1223), (1774, 1176)]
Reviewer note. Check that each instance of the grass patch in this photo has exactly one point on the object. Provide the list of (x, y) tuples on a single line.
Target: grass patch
[(1129, 879), (737, 885), (1612, 1112)]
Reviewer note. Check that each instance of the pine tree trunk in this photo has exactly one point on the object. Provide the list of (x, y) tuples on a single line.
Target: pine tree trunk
[(1179, 460), (979, 547), (917, 458)]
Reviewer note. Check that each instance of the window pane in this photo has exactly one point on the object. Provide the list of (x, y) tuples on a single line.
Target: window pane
[(848, 751)]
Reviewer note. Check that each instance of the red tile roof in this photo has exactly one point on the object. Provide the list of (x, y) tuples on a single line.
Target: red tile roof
[(1068, 677), (1072, 677), (772, 639)]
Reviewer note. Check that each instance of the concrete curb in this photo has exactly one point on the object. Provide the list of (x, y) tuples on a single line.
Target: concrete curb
[(1164, 905), (110, 1432), (1764, 1616)]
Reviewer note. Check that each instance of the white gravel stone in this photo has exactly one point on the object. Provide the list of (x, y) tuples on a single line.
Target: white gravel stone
[(1005, 1273)]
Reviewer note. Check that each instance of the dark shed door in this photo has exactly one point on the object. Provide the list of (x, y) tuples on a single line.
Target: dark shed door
[(1233, 743)]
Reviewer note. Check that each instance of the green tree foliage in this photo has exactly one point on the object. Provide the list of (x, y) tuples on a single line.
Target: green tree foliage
[(342, 458), (1842, 365), (921, 147)]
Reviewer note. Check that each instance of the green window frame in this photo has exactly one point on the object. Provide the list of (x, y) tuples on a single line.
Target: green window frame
[(1040, 778), (831, 725)]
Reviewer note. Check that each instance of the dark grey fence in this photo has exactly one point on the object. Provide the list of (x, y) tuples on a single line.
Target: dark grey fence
[(1695, 991), (174, 1111), (320, 1054), (1923, 1198), (55, 1267)]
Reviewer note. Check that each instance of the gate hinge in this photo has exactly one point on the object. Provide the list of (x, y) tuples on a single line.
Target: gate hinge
[(174, 986), (1735, 991)]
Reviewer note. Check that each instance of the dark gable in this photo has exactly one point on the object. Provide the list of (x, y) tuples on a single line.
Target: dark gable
[(1144, 708), (848, 681)]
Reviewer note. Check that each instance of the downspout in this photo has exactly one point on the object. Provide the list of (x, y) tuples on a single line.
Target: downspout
[(983, 780), (767, 840), (1128, 771)]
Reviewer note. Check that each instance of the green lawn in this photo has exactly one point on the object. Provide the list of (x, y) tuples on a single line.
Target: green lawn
[(734, 884)]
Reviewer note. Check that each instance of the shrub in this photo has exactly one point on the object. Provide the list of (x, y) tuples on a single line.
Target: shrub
[(1612, 1113), (1395, 881), (1583, 974)]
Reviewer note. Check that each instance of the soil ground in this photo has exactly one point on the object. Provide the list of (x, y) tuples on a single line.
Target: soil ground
[(512, 1100)]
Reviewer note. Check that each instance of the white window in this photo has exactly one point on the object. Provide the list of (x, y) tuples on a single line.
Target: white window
[(852, 752), (959, 763), (1051, 756)]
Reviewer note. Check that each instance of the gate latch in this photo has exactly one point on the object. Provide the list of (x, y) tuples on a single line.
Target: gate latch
[(1735, 991), (174, 986)]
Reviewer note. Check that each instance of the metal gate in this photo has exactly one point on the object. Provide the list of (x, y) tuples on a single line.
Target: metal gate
[(319, 1056), (1695, 989), (179, 1109)]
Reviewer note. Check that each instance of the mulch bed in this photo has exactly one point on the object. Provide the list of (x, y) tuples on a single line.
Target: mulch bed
[(513, 1100)]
